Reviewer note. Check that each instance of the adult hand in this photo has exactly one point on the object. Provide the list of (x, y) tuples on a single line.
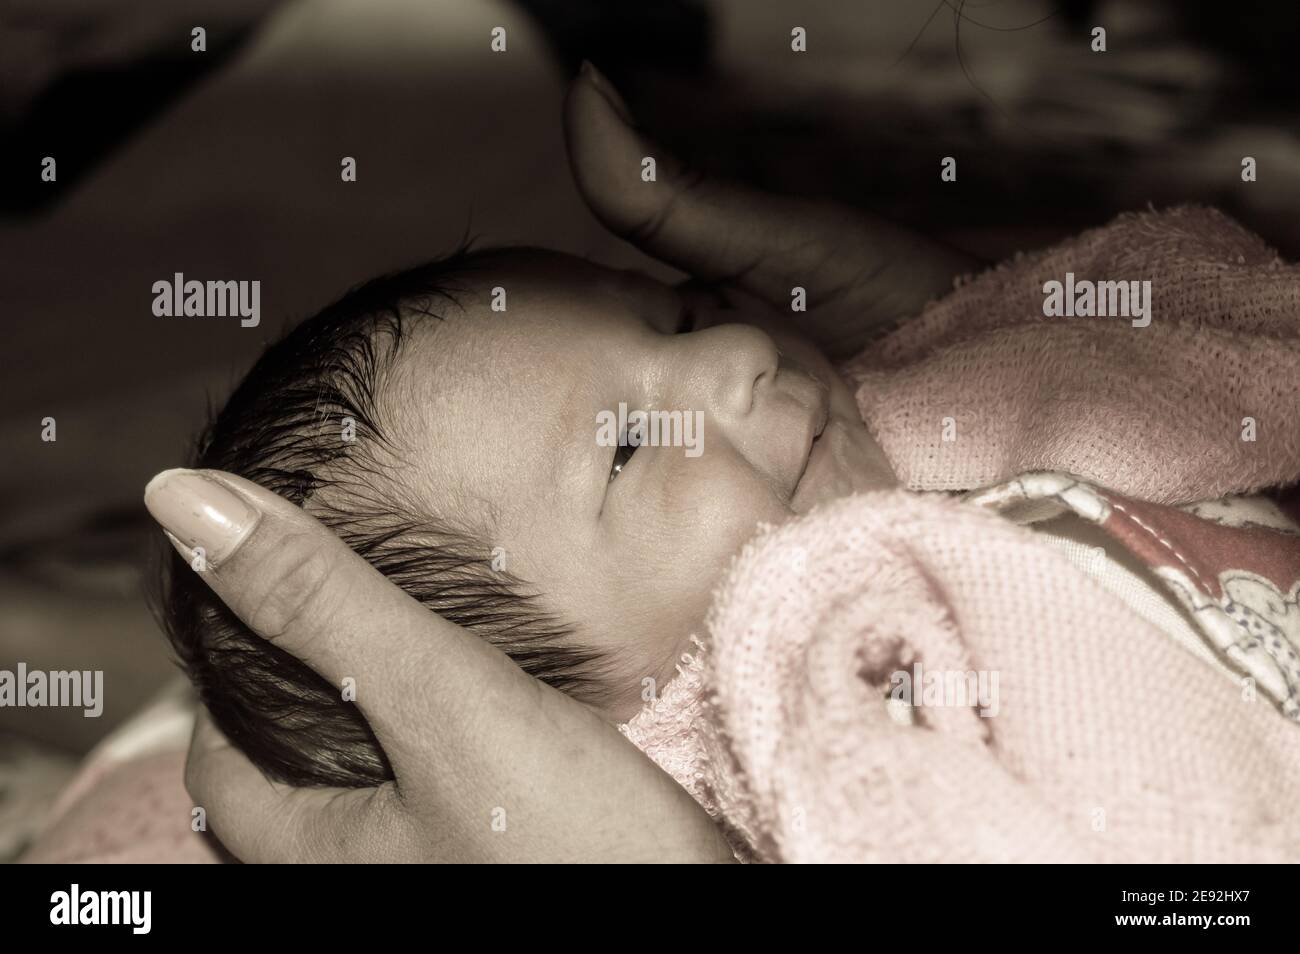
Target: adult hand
[(859, 272), (490, 764)]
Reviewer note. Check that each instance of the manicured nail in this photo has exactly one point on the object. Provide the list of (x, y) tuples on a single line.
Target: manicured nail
[(606, 89), (199, 513)]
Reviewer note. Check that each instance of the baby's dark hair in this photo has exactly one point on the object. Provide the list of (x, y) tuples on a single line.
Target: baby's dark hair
[(284, 428)]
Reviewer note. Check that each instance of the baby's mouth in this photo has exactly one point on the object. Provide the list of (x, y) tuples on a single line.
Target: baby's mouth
[(821, 416), (843, 460)]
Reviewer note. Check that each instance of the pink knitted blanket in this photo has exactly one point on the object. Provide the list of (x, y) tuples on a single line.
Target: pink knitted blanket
[(1055, 722)]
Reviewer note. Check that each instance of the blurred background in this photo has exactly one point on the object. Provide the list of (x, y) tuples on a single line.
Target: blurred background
[(225, 164)]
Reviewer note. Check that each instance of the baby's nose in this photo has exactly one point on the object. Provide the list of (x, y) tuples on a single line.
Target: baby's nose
[(735, 362)]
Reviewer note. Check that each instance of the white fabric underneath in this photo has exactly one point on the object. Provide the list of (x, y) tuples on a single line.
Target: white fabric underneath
[(1094, 552)]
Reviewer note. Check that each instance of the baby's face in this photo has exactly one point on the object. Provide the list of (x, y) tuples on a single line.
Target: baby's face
[(513, 410)]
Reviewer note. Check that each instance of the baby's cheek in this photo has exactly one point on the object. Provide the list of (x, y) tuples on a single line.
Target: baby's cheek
[(673, 551), (717, 507)]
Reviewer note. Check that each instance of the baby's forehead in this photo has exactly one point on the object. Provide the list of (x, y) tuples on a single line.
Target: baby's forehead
[(531, 282), (493, 401), (534, 270), (477, 398), (520, 311)]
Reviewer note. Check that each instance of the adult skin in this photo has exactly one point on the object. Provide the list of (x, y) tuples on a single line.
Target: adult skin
[(468, 734)]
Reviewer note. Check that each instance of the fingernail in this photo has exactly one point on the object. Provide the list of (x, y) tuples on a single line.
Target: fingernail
[(606, 89), (196, 558), (197, 511)]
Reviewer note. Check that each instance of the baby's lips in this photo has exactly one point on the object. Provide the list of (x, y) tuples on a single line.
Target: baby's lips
[(841, 464), (807, 390)]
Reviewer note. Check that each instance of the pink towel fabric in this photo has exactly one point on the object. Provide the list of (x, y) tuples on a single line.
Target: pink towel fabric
[(131, 812), (1157, 413), (1110, 742)]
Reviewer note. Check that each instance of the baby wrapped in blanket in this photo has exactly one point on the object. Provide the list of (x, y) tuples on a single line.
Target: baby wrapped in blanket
[(452, 424)]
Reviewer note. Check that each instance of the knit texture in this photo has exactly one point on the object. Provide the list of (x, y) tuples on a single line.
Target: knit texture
[(1156, 413), (1107, 742)]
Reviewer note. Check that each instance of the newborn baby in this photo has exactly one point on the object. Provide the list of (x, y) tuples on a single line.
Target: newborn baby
[(446, 422)]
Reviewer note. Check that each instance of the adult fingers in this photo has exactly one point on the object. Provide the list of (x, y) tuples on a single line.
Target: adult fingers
[(261, 821), (298, 585), (720, 231)]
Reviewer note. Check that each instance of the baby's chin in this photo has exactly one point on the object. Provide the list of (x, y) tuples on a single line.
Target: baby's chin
[(844, 460)]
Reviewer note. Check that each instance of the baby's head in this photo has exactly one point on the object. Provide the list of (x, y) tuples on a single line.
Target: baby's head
[(451, 424)]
